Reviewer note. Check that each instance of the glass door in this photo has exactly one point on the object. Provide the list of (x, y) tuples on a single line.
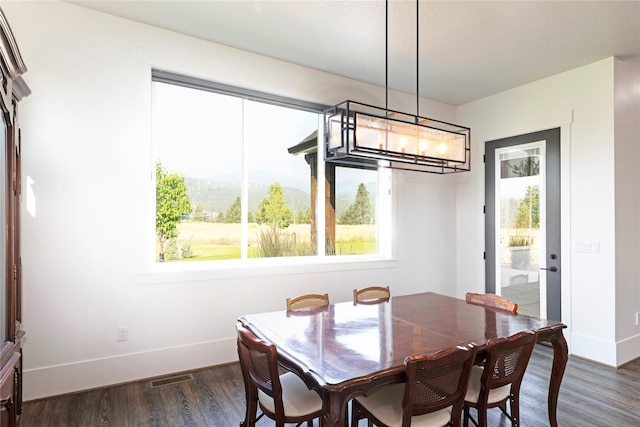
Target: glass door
[(522, 190)]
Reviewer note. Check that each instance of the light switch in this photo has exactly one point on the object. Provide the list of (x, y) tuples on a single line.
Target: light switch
[(588, 247)]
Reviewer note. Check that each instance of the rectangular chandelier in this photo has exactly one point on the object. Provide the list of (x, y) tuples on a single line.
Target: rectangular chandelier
[(363, 135)]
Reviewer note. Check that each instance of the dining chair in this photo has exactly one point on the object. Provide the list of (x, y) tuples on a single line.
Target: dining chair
[(371, 295), (432, 395), (498, 381), (492, 300), (284, 398), (307, 302)]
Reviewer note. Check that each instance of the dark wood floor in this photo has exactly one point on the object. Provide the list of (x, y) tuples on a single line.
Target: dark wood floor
[(591, 395)]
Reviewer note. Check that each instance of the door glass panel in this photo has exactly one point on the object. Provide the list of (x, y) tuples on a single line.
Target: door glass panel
[(520, 242)]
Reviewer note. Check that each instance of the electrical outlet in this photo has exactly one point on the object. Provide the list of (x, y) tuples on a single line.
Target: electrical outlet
[(123, 333), (638, 318)]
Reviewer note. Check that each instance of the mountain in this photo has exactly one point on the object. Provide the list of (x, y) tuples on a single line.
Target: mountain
[(217, 194), (266, 178)]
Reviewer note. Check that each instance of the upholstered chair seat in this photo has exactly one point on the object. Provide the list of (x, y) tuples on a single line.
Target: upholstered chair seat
[(297, 399), (386, 406)]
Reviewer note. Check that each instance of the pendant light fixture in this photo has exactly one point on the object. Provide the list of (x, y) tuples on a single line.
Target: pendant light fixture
[(363, 135)]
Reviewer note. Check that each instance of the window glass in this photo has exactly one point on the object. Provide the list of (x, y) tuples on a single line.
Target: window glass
[(237, 178), (198, 138), (356, 209), (279, 193)]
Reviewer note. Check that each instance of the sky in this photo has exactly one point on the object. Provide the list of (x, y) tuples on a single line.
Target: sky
[(200, 134)]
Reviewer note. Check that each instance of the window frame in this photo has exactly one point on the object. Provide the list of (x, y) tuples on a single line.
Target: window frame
[(320, 258), (162, 76)]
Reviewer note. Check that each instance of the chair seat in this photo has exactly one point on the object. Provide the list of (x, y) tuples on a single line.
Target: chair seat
[(298, 400), (386, 405), (473, 391)]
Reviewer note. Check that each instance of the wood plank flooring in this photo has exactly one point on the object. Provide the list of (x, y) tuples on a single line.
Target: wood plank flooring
[(591, 395)]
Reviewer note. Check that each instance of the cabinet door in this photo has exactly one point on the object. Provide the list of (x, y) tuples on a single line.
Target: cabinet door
[(5, 273)]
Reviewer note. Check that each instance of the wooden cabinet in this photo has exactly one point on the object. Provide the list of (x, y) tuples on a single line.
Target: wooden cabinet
[(12, 90)]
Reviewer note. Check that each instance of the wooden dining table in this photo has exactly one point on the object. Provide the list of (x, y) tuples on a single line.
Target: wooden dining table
[(346, 349)]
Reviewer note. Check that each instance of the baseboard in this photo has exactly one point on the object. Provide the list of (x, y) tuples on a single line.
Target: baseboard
[(595, 349), (628, 350), (55, 380), (88, 374)]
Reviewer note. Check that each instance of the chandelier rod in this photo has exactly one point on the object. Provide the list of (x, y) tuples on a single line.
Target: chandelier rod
[(417, 62), (386, 56)]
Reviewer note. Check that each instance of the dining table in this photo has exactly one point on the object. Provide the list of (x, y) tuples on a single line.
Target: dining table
[(347, 350)]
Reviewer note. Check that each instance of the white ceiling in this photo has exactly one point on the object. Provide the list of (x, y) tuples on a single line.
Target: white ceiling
[(468, 49)]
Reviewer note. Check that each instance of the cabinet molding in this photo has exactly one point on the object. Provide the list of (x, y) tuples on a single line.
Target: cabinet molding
[(13, 89)]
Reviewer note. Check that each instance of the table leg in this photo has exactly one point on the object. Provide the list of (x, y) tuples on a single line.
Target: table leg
[(560, 358), (334, 410)]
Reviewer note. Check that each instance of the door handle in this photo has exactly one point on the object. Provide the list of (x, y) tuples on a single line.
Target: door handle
[(552, 269)]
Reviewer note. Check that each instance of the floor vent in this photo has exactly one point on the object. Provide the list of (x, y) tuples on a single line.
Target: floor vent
[(171, 380)]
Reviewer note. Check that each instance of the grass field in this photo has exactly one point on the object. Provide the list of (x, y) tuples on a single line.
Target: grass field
[(213, 241)]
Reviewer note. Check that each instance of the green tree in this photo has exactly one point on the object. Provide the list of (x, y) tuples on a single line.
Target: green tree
[(303, 216), (529, 166), (359, 212), (186, 250), (528, 213), (171, 250), (172, 202), (232, 215), (273, 209)]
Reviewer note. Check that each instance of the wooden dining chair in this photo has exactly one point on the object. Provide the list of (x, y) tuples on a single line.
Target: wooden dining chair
[(492, 300), (432, 395), (371, 295), (284, 398), (499, 380), (308, 302)]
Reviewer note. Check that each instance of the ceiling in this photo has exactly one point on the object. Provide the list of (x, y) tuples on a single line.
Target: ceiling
[(467, 49)]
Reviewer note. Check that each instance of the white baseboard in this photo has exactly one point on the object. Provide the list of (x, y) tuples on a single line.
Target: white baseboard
[(628, 350), (592, 348), (88, 374), (609, 353)]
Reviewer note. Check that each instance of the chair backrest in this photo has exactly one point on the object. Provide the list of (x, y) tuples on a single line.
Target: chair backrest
[(308, 302), (492, 300), (259, 364), (371, 295), (437, 381), (507, 360)]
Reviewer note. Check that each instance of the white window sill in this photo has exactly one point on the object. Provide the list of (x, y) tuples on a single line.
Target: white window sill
[(162, 273)]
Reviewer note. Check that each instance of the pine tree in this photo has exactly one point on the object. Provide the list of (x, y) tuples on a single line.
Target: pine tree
[(359, 212), (232, 215)]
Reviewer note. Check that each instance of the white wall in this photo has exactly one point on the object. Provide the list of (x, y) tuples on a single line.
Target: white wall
[(87, 251), (627, 176), (581, 103)]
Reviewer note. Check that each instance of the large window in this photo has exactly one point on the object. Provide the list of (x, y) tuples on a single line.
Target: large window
[(238, 176)]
